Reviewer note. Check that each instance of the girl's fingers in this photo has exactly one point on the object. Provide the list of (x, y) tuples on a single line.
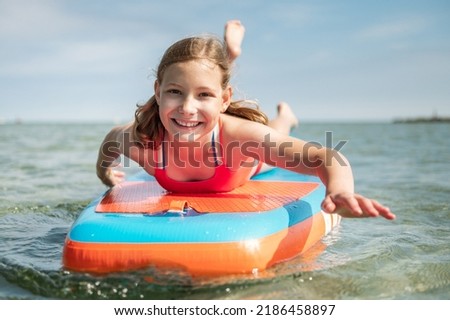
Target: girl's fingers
[(355, 205), (368, 207), (383, 210), (328, 205), (119, 174), (348, 202), (113, 177)]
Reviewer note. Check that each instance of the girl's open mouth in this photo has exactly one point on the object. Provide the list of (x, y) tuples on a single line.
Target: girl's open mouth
[(186, 124)]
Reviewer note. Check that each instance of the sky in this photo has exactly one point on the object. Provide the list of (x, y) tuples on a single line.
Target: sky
[(347, 60)]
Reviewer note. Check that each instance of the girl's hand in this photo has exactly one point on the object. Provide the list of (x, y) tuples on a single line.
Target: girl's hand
[(350, 205), (112, 175)]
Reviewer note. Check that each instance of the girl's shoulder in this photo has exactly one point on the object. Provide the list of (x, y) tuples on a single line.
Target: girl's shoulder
[(122, 133), (231, 122), (236, 127)]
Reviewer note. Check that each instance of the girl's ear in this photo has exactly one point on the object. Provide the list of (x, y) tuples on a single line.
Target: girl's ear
[(157, 91), (226, 98)]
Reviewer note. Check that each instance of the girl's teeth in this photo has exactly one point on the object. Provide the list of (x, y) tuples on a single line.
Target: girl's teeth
[(186, 124)]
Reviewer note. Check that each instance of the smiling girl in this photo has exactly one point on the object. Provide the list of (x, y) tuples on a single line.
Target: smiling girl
[(192, 137)]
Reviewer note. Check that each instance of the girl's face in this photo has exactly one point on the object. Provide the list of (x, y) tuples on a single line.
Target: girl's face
[(191, 98)]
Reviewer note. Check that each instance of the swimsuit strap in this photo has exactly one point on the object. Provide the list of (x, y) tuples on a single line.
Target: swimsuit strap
[(163, 154), (214, 148)]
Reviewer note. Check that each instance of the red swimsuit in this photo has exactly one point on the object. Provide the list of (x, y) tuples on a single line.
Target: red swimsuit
[(223, 180)]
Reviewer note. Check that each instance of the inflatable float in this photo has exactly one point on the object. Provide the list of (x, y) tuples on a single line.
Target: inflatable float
[(273, 218)]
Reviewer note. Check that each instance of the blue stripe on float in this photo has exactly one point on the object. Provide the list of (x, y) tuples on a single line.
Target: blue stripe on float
[(214, 227)]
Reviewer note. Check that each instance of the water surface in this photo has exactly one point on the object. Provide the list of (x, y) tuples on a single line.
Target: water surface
[(48, 177)]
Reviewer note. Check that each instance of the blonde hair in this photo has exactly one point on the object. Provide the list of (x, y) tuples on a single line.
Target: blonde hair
[(148, 128)]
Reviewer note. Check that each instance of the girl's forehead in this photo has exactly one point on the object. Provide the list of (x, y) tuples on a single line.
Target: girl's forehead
[(204, 64), (196, 67)]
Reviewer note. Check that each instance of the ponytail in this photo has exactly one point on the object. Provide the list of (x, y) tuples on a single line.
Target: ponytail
[(242, 109)]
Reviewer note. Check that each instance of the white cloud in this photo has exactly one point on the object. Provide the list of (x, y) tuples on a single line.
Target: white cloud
[(392, 29), (298, 14), (319, 58), (73, 58), (28, 19), (46, 38)]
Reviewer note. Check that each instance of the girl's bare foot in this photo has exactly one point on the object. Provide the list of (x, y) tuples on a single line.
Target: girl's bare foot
[(285, 120), (285, 112), (234, 34)]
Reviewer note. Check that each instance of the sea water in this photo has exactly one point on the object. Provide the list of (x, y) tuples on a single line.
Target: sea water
[(47, 177)]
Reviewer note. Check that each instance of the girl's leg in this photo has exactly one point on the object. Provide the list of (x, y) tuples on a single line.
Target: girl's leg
[(233, 35), (285, 120)]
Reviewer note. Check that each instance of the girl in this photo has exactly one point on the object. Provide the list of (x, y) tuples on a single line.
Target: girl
[(192, 137)]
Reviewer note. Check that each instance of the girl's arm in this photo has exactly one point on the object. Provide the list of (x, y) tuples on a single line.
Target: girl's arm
[(329, 165), (336, 173), (110, 150)]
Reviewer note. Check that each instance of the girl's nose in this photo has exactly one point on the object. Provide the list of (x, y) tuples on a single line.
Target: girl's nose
[(188, 106)]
